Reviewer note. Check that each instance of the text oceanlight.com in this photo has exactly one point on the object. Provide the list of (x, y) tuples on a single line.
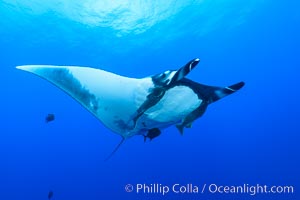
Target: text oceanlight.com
[(163, 189)]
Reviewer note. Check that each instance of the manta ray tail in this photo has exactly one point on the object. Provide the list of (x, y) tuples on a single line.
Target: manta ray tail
[(115, 150)]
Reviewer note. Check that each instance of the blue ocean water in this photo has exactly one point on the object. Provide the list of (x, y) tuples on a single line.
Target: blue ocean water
[(250, 137)]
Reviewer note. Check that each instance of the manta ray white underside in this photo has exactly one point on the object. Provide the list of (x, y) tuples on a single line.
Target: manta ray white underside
[(114, 99)]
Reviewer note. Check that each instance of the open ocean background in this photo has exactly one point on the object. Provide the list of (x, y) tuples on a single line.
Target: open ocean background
[(250, 137)]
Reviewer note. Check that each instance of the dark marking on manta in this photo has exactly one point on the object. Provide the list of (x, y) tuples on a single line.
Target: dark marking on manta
[(65, 79)]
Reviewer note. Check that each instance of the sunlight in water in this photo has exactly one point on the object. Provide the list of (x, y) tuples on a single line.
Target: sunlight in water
[(126, 16), (138, 16), (121, 24)]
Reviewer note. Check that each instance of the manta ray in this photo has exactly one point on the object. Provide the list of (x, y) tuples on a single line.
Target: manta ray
[(136, 106)]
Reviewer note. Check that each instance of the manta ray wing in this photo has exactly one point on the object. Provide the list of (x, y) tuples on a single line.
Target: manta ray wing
[(108, 96)]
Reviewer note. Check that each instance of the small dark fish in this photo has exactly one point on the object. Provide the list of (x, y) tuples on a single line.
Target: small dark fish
[(50, 194), (50, 117)]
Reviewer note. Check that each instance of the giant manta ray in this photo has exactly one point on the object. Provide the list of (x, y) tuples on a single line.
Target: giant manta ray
[(136, 106)]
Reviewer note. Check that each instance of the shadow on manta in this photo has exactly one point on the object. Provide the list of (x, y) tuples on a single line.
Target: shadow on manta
[(136, 106)]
